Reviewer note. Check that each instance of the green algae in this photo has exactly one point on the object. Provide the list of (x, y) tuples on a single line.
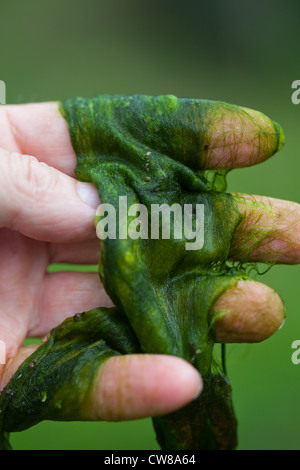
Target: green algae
[(153, 150)]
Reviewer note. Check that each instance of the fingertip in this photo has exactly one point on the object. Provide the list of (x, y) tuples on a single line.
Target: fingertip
[(239, 137), (138, 386), (88, 193), (250, 312), (266, 132)]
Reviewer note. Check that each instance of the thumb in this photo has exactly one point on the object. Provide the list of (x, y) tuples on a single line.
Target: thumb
[(42, 203), (129, 387)]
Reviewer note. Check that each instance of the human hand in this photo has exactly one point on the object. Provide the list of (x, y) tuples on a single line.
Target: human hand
[(44, 220)]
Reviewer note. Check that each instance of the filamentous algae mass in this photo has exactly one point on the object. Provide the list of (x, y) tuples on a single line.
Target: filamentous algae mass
[(153, 151)]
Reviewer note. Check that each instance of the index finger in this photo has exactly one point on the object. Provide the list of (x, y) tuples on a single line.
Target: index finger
[(39, 130), (202, 134)]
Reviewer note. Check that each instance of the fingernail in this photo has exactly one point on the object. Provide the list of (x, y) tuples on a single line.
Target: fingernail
[(88, 194)]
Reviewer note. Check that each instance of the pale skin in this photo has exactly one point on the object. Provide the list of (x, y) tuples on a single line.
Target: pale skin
[(44, 220)]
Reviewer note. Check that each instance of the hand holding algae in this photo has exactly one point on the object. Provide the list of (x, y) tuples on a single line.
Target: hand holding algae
[(153, 151)]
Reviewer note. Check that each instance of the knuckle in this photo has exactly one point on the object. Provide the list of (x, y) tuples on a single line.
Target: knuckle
[(32, 179)]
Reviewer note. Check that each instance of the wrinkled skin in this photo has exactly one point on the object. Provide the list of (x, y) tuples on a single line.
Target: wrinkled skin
[(149, 149)]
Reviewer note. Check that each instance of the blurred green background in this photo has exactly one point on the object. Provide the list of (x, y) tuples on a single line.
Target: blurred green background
[(241, 52)]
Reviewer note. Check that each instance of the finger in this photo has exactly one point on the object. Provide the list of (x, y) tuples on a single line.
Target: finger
[(247, 313), (268, 231), (253, 311), (64, 294), (43, 203), (138, 386), (239, 137), (131, 387), (86, 252), (199, 133), (38, 129), (22, 263), (216, 134), (32, 303)]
